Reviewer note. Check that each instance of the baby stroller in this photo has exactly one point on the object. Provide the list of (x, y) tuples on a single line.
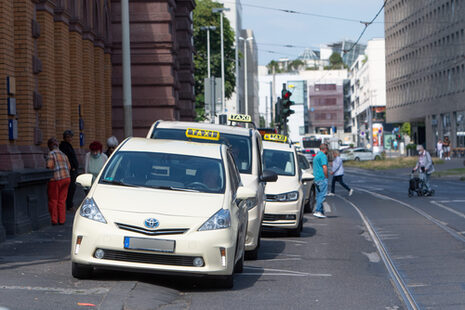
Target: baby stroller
[(417, 185)]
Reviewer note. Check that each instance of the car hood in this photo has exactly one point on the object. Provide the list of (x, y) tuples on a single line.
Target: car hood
[(284, 184), (156, 201)]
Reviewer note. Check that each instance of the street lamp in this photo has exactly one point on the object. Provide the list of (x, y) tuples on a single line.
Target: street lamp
[(221, 11), (245, 74), (208, 28)]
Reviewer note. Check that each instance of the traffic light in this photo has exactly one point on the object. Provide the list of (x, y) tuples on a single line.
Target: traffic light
[(286, 104)]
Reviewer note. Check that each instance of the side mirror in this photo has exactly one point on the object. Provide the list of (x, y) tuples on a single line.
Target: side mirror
[(85, 180), (244, 193), (307, 177), (268, 176)]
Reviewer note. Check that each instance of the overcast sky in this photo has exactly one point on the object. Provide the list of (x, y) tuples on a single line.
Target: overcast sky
[(273, 28)]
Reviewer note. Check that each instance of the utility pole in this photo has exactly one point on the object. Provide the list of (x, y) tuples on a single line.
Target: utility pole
[(127, 83), (221, 11)]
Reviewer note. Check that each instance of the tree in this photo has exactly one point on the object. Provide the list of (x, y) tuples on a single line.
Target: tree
[(405, 129), (203, 16), (273, 66), (336, 61), (296, 65)]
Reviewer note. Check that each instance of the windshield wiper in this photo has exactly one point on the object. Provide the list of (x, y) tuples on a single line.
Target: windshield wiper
[(175, 188), (113, 182)]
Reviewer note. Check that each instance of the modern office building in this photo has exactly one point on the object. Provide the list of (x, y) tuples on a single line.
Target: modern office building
[(425, 68)]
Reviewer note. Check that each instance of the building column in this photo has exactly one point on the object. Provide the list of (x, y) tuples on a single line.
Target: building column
[(62, 78), (88, 103), (46, 54), (76, 80), (99, 88)]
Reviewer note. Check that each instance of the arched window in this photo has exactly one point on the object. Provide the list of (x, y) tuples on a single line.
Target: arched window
[(107, 21), (96, 18)]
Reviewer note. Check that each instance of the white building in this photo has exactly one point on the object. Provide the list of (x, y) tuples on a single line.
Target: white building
[(368, 93)]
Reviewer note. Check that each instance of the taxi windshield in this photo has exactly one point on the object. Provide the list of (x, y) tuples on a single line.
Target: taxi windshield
[(240, 145), (165, 171), (280, 162)]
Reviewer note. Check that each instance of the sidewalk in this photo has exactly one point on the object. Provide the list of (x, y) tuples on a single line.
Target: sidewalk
[(454, 163)]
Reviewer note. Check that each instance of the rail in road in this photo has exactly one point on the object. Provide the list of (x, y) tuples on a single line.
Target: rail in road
[(421, 240)]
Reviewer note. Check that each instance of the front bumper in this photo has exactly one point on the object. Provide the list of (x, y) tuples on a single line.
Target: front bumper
[(191, 244), (282, 214)]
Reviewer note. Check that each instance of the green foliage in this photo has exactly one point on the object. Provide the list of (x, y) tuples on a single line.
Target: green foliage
[(273, 66), (262, 122), (336, 61), (406, 129), (203, 16)]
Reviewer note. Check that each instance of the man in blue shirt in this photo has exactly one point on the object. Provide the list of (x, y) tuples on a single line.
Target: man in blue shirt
[(320, 172)]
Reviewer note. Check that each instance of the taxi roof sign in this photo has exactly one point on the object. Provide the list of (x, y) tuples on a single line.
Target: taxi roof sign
[(202, 134), (242, 118), (275, 137)]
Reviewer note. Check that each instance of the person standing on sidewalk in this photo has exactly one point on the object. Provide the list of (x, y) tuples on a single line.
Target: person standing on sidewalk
[(58, 185), (439, 148), (320, 172), (67, 148), (446, 148), (337, 173)]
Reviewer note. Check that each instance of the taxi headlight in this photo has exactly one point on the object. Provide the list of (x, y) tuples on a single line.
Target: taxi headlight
[(90, 210), (291, 196), (220, 220)]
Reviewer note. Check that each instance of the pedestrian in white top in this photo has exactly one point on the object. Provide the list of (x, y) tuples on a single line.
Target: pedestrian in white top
[(439, 148), (337, 173)]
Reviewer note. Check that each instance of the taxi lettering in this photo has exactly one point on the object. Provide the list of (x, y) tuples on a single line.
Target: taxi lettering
[(275, 137), (240, 118), (202, 134)]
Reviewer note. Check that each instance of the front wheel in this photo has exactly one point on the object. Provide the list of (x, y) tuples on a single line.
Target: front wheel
[(253, 255), (80, 271), (357, 159), (311, 201)]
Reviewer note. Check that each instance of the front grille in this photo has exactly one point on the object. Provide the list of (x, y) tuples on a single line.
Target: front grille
[(278, 217), (141, 230), (159, 259)]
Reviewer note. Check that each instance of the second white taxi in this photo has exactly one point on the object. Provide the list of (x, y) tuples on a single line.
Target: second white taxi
[(163, 206), (286, 198)]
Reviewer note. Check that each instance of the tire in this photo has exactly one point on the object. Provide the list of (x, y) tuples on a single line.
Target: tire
[(410, 194), (227, 282), (296, 231), (311, 201), (357, 159), (80, 271)]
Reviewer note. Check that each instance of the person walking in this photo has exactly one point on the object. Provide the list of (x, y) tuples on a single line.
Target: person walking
[(95, 159), (112, 143), (446, 148), (439, 148), (67, 148), (337, 173), (320, 172), (426, 167), (58, 185)]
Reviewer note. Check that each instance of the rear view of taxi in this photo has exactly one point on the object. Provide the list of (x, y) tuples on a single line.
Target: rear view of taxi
[(284, 206), (163, 206)]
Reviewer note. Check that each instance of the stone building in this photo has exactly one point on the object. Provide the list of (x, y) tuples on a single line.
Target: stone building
[(425, 68), (55, 74), (161, 63)]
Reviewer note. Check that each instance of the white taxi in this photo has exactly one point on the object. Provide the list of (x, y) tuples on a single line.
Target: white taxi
[(163, 206), (286, 198), (246, 146)]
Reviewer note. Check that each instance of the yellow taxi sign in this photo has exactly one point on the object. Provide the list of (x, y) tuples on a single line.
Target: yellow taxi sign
[(202, 134), (242, 118), (275, 137)]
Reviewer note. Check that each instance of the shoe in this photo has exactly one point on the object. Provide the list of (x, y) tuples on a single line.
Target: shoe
[(319, 215), (330, 194), (351, 192)]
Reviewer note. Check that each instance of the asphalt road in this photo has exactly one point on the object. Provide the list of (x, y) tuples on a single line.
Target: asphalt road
[(334, 265)]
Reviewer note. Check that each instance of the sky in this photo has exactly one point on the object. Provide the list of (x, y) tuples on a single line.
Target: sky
[(276, 28)]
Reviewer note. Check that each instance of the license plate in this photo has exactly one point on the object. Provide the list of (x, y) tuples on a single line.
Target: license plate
[(157, 245)]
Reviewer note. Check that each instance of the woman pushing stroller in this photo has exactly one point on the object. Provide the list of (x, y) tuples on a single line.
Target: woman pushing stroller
[(426, 168)]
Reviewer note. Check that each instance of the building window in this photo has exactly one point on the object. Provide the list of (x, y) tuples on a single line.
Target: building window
[(445, 124), (460, 125)]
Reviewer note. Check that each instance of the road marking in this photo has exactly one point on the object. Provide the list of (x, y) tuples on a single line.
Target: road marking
[(326, 207), (417, 285), (281, 259), (448, 209), (281, 272), (282, 254), (448, 201), (59, 290), (289, 240), (372, 257), (403, 257)]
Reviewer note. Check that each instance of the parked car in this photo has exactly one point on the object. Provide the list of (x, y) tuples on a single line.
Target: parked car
[(359, 154)]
